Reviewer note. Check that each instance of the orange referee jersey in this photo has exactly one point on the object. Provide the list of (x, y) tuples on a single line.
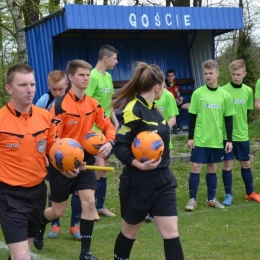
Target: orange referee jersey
[(24, 140), (76, 117)]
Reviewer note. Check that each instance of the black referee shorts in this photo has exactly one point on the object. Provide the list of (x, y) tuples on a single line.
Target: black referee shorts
[(150, 192), (21, 211), (61, 186)]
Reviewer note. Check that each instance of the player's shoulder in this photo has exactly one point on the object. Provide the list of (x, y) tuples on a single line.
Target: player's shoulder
[(41, 111)]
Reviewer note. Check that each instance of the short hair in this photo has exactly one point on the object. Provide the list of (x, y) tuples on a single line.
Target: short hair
[(210, 64), (106, 50), (17, 68), (170, 71), (75, 64), (237, 64), (56, 76)]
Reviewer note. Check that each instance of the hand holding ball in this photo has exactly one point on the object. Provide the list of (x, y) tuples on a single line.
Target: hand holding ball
[(93, 141)]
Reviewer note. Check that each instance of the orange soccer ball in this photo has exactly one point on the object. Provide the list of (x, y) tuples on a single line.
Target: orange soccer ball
[(147, 145), (66, 154), (93, 141)]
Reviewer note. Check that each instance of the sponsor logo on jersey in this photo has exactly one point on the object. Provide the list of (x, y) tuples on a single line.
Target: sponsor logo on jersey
[(106, 90), (239, 101), (41, 146), (73, 122), (161, 108), (202, 98), (123, 130), (12, 145), (213, 106)]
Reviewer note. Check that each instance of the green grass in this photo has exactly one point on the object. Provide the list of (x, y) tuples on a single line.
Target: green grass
[(206, 233)]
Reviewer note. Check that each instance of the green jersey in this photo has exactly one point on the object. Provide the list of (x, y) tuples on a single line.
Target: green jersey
[(101, 88), (168, 107), (243, 100), (257, 89), (210, 106)]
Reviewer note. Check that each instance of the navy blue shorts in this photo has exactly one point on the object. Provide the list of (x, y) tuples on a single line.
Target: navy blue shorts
[(62, 187), (150, 192), (207, 155), (240, 151), (21, 211)]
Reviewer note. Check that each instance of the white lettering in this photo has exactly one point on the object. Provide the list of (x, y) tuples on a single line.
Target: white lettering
[(239, 101), (132, 20), (145, 20), (12, 145), (187, 20), (157, 20), (168, 22)]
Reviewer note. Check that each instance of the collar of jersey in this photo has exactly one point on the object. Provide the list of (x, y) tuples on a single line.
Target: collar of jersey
[(144, 102), (17, 113), (72, 94)]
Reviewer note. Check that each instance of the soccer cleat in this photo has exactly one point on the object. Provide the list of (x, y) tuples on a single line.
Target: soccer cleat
[(87, 256), (75, 232), (54, 232), (105, 212), (96, 216), (228, 200), (214, 204), (192, 205), (148, 218), (38, 240), (253, 196), (174, 129), (180, 126)]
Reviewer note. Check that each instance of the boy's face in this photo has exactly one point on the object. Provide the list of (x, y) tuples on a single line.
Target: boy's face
[(238, 75), (170, 77), (80, 79), (111, 61), (58, 89), (211, 76)]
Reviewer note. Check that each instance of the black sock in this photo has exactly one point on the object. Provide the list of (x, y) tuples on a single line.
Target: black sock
[(44, 222), (173, 249), (9, 258), (122, 247), (86, 229)]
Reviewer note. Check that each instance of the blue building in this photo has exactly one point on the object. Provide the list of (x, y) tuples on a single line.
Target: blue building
[(171, 37)]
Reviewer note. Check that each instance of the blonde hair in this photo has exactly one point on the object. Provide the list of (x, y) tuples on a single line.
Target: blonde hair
[(56, 75), (144, 79), (237, 64), (210, 64)]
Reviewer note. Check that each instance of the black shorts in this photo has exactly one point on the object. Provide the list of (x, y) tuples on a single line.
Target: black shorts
[(62, 187), (150, 192), (21, 211)]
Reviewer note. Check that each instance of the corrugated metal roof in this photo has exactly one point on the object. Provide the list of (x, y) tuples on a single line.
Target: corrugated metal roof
[(152, 18)]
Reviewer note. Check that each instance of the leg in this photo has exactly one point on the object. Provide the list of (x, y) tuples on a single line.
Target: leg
[(168, 229), (125, 240), (75, 216), (20, 250), (227, 180)]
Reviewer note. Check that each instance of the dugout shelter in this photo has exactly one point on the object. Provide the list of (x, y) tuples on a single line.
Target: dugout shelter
[(171, 37)]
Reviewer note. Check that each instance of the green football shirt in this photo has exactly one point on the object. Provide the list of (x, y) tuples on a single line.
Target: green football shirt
[(243, 100), (168, 107), (257, 89), (210, 106)]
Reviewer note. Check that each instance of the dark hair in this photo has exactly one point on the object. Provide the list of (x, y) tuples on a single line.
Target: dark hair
[(170, 71), (17, 68), (75, 64), (106, 50), (144, 79)]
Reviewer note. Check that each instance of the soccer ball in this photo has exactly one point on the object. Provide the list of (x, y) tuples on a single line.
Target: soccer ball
[(66, 154), (147, 145), (93, 141)]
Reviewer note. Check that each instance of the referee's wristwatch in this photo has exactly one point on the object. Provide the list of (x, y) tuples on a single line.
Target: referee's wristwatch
[(112, 143)]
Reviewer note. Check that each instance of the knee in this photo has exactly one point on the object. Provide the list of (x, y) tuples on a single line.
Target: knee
[(21, 255), (58, 212)]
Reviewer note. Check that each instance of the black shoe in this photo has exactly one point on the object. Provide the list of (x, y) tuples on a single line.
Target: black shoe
[(174, 129), (180, 126), (87, 256), (38, 240)]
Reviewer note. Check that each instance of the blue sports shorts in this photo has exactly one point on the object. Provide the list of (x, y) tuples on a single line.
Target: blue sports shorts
[(207, 155), (240, 151)]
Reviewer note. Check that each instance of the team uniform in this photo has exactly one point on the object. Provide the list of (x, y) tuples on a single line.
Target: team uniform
[(143, 192), (75, 117), (243, 101), (25, 138), (168, 107), (210, 107), (257, 89)]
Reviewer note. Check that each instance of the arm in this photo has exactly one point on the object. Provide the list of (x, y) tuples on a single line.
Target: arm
[(257, 104), (192, 123), (229, 130), (114, 119)]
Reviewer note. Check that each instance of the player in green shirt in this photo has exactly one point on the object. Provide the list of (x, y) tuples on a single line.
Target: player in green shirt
[(257, 95), (210, 106), (242, 96), (101, 88)]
